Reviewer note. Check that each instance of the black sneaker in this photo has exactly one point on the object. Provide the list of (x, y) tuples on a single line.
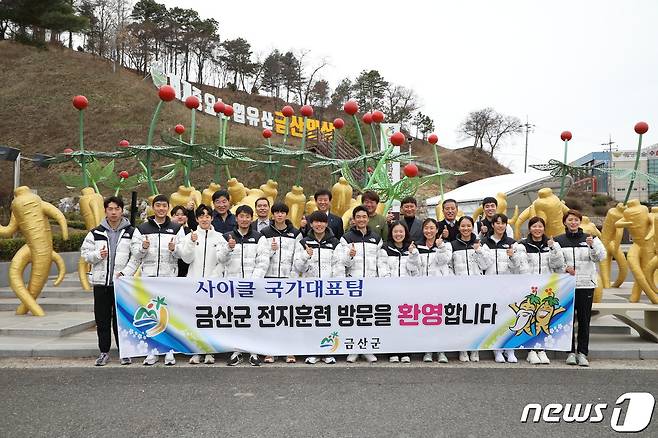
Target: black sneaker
[(254, 360), (235, 359), (102, 360)]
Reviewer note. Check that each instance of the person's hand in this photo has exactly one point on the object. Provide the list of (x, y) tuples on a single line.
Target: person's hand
[(589, 240), (190, 204), (231, 242), (118, 274), (104, 252), (571, 270), (550, 242), (172, 245), (352, 251), (194, 236), (510, 252), (483, 229), (389, 217), (412, 247), (275, 246), (476, 245), (445, 233), (439, 242), (146, 243), (303, 222), (309, 250)]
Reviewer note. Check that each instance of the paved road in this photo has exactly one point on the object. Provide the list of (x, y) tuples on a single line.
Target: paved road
[(311, 402)]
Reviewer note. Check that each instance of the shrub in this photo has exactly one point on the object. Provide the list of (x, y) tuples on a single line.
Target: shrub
[(600, 200), (8, 247)]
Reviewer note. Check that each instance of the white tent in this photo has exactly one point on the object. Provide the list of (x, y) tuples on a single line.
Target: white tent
[(521, 190)]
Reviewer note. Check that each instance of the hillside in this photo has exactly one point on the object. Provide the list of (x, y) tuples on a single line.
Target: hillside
[(38, 117)]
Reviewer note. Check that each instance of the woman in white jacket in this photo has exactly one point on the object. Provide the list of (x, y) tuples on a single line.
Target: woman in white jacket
[(543, 256), (507, 260), (581, 254), (469, 257), (400, 258), (199, 250), (435, 256)]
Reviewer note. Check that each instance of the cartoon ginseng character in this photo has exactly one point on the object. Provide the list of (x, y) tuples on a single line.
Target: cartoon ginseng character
[(525, 313), (549, 307)]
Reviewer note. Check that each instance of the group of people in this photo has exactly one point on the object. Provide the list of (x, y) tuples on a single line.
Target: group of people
[(212, 241)]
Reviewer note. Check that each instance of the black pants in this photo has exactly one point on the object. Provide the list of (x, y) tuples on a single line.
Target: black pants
[(583, 314), (105, 313)]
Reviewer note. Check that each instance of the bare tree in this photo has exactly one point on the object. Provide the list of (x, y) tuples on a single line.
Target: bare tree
[(399, 103), (486, 126)]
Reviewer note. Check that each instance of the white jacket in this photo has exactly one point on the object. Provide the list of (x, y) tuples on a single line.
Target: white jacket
[(280, 263), (583, 258), (202, 254), (540, 258), (249, 258), (466, 260), (325, 261), (395, 262), (502, 263), (156, 260), (435, 261), (368, 248), (102, 269)]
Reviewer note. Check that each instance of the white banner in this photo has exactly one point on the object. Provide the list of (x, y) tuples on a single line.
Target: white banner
[(344, 315)]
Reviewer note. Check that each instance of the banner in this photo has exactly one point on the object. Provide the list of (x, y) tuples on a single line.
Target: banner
[(344, 315)]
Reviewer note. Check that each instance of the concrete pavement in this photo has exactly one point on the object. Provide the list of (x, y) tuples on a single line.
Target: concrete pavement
[(361, 401)]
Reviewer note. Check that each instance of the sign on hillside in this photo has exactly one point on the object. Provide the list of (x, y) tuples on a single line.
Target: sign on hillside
[(244, 115)]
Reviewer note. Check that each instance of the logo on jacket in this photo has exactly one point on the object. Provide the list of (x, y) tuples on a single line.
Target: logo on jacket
[(332, 342), (154, 317)]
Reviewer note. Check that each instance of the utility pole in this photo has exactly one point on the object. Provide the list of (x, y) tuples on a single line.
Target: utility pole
[(609, 177), (527, 127)]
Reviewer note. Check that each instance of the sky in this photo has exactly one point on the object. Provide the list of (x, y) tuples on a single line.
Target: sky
[(590, 67)]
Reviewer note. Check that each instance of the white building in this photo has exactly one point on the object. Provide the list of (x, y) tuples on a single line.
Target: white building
[(648, 164)]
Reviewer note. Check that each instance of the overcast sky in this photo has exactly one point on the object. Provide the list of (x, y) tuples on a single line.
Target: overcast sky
[(590, 67)]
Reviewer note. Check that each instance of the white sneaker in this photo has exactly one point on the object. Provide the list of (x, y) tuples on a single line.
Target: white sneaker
[(195, 360), (582, 360), (442, 358), (463, 356), (169, 358), (498, 356), (571, 359), (329, 360), (405, 359), (533, 358), (427, 357), (475, 356), (311, 360), (152, 359), (370, 357), (209, 359), (543, 359), (511, 358), (394, 359), (351, 358)]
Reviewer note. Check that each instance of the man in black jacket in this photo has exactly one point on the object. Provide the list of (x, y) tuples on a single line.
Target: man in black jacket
[(323, 202), (448, 227)]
